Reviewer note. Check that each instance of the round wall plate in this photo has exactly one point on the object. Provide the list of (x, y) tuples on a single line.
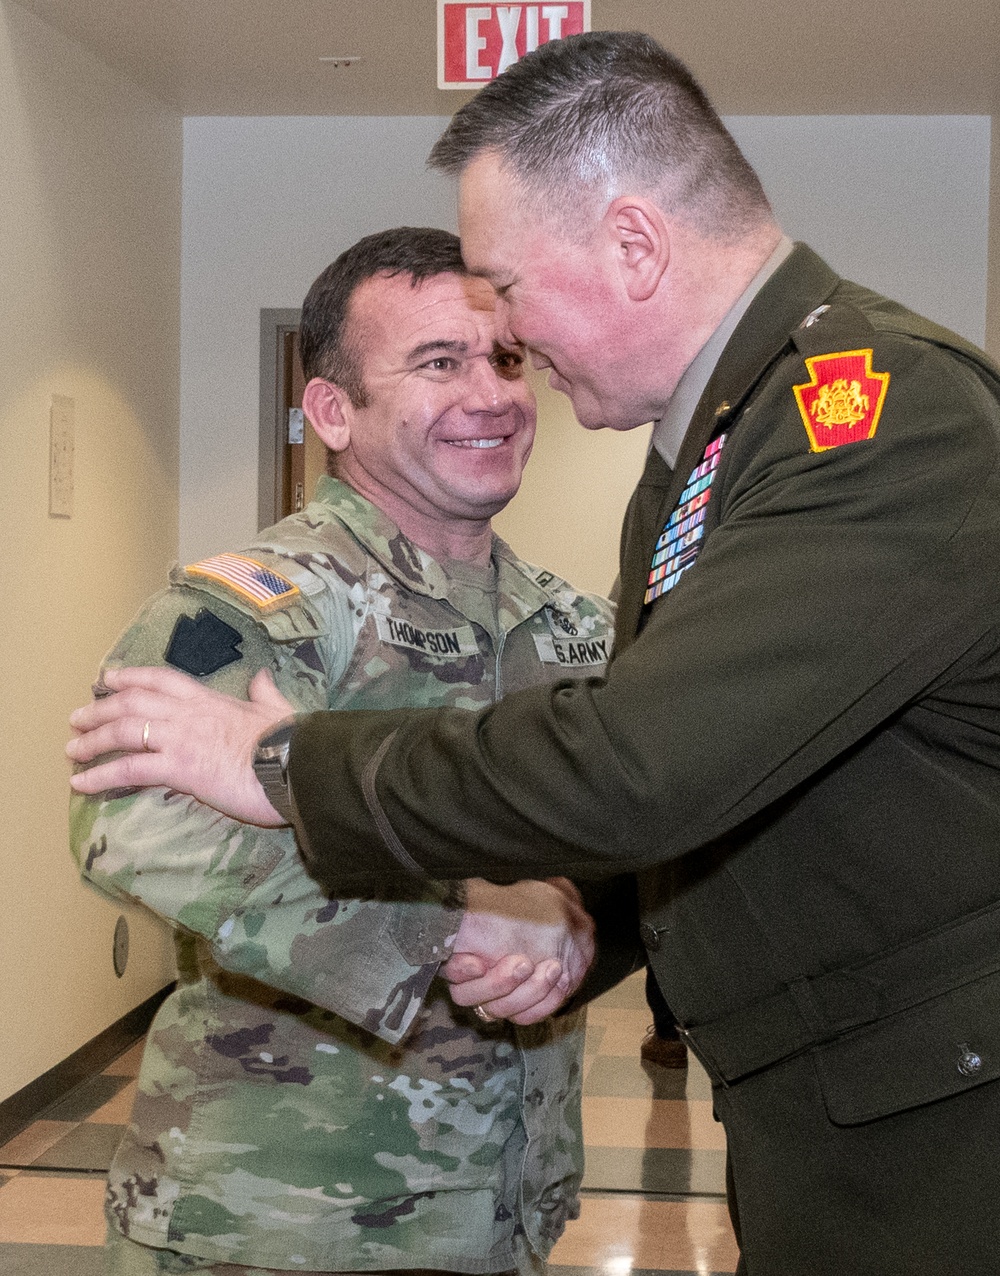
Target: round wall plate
[(119, 952)]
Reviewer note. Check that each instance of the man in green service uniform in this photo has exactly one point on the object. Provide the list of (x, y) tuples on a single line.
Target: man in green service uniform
[(310, 1098), (798, 740)]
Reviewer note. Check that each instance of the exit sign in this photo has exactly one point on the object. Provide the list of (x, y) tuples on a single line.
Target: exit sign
[(476, 42)]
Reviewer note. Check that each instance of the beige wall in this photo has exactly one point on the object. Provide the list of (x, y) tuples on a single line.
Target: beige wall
[(90, 268), (569, 509)]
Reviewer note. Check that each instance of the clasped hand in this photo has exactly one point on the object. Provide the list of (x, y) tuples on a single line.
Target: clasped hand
[(522, 950)]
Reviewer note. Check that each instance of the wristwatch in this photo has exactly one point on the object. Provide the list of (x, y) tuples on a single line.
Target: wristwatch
[(270, 764)]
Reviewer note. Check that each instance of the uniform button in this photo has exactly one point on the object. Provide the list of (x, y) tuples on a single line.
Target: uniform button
[(723, 408), (969, 1063), (650, 936)]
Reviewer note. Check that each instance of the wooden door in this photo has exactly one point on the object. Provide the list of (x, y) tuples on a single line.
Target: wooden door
[(291, 457)]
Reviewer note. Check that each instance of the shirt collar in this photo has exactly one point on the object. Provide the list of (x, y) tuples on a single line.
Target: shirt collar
[(520, 589), (669, 431)]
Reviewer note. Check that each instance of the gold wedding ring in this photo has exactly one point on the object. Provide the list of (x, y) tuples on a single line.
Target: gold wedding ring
[(484, 1015), (145, 738)]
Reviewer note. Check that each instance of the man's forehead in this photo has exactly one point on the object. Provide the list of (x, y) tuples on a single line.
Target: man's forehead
[(485, 183), (399, 296), (484, 214), (394, 312), (499, 224)]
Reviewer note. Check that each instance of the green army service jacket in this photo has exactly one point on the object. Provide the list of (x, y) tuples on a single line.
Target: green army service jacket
[(309, 1095), (798, 746)]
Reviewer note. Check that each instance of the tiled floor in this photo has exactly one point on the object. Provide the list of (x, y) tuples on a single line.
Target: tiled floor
[(654, 1190)]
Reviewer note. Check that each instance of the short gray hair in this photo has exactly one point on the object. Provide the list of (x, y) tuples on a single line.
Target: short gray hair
[(609, 111)]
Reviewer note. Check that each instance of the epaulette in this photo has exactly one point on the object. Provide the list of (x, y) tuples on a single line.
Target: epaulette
[(830, 325)]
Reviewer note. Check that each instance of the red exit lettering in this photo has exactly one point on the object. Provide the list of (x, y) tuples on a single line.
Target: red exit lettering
[(477, 42)]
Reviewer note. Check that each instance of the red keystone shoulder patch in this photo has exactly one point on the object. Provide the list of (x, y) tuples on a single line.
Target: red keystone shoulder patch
[(843, 401)]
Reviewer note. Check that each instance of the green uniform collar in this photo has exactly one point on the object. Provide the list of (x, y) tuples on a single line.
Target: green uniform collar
[(522, 590), (801, 283)]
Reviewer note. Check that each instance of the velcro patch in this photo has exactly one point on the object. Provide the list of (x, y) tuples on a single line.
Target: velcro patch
[(572, 651), (843, 400), (432, 642), (267, 589)]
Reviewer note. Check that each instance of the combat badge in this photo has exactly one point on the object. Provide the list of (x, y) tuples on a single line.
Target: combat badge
[(843, 400), (268, 590)]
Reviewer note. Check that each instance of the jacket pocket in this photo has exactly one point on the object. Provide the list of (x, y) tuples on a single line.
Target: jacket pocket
[(941, 1047)]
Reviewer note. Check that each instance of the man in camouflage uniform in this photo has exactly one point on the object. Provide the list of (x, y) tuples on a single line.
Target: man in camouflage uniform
[(310, 1098)]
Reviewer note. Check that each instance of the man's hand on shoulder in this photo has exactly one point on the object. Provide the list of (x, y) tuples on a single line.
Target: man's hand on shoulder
[(171, 731), (522, 950)]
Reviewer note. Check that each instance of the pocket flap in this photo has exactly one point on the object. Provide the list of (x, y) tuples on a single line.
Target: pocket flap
[(941, 1047)]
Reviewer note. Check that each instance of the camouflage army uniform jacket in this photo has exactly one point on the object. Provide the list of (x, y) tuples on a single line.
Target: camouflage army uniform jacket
[(309, 1096)]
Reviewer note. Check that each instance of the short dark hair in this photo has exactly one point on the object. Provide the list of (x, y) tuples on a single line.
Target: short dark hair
[(609, 107), (329, 350)]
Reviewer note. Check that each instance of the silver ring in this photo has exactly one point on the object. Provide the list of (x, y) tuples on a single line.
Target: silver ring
[(145, 738), (484, 1015)]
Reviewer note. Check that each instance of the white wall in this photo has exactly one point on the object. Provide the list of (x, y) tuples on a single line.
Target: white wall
[(89, 264), (993, 259), (898, 203)]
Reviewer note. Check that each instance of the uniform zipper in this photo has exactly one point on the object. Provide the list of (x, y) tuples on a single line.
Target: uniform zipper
[(498, 675)]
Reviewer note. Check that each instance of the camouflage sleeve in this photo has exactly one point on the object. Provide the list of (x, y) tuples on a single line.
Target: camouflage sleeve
[(244, 888)]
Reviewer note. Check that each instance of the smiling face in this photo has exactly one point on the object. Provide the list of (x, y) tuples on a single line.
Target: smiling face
[(560, 298), (448, 420)]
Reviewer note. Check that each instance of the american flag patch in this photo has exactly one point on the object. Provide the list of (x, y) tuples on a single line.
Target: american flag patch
[(249, 579), (680, 543)]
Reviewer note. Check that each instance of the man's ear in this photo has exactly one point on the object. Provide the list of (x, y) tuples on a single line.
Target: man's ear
[(641, 240), (330, 412)]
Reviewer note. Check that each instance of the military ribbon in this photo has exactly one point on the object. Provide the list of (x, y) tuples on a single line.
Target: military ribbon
[(680, 541)]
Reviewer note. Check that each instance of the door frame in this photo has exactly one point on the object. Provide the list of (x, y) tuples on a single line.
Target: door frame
[(275, 324)]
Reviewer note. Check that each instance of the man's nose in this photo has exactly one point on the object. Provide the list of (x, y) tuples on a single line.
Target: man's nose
[(486, 390)]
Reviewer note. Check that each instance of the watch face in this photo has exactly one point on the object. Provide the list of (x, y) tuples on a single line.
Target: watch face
[(279, 737), (276, 744)]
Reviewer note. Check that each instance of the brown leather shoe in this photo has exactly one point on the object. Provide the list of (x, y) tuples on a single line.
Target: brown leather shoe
[(666, 1051)]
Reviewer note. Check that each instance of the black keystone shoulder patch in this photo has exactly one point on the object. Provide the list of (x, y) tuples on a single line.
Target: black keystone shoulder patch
[(204, 645)]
